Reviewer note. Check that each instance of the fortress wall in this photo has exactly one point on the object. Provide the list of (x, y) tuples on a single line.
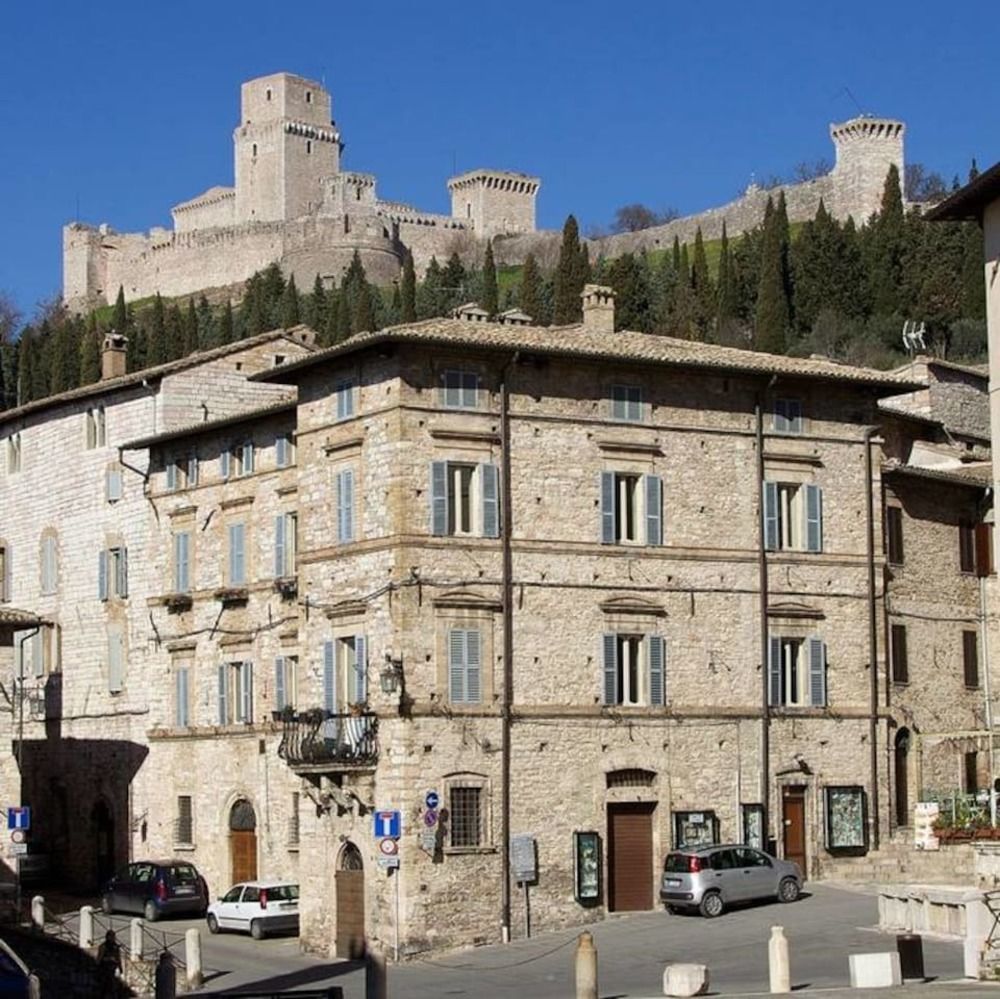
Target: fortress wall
[(425, 241), (213, 213)]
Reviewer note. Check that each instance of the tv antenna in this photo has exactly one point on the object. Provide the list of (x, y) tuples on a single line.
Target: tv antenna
[(913, 336)]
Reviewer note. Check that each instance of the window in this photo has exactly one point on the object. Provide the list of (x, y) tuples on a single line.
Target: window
[(465, 816), (225, 463), (29, 652), (344, 394), (970, 658), (460, 389), (284, 451), (235, 693), (95, 429), (971, 768), (246, 458), (793, 517), (182, 696), (787, 416), (237, 555), (182, 562), (49, 564), (345, 673), (112, 573), (464, 666), (626, 402), (631, 508), (465, 499), (192, 471), (173, 476), (285, 541), (309, 147), (344, 487), (113, 485), (285, 669), (984, 549), (6, 571), (796, 672), (900, 666), (184, 825), (309, 97), (14, 453), (894, 534), (116, 660), (633, 668), (966, 547)]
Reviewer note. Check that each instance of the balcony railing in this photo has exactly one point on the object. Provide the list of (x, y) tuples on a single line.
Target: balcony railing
[(318, 738)]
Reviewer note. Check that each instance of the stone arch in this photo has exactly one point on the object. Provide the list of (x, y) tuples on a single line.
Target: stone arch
[(349, 889), (242, 824)]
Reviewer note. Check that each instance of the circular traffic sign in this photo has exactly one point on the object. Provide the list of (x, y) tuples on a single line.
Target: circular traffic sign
[(17, 836), (432, 800), (387, 846), (430, 817)]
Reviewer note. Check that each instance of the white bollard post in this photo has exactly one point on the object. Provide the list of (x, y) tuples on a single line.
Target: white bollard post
[(38, 913), (586, 967), (777, 959), (86, 927), (34, 987), (135, 939), (192, 958)]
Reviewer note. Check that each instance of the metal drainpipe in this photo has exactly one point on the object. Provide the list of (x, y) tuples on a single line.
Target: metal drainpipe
[(987, 685), (765, 706), (508, 647), (872, 633)]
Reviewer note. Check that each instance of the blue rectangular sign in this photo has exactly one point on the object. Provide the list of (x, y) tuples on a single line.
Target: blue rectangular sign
[(19, 817), (388, 824)]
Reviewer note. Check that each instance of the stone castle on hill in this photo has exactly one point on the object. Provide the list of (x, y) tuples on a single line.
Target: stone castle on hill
[(292, 204)]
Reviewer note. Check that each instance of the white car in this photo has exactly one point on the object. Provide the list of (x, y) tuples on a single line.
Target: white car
[(257, 908)]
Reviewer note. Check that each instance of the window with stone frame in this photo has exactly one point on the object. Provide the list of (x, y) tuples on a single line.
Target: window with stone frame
[(284, 450), (900, 664), (894, 534), (633, 669), (6, 572), (460, 389), (796, 671), (626, 403), (285, 544), (966, 547), (970, 658), (285, 681), (184, 823), (95, 433), (344, 391), (234, 693), (182, 695), (787, 416), (464, 499), (37, 651), (49, 562), (236, 554), (182, 562), (793, 516), (112, 573), (631, 507), (467, 797)]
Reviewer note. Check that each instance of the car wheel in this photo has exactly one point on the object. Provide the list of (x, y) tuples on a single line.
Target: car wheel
[(150, 913), (213, 923), (789, 890), (106, 905), (711, 905), (257, 929)]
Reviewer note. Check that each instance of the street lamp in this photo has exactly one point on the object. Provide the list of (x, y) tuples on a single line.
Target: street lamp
[(391, 675)]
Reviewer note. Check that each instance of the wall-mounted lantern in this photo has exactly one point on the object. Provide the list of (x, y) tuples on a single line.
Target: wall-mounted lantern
[(391, 676)]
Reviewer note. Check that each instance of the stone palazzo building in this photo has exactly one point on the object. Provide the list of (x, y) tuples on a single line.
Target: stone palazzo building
[(593, 594)]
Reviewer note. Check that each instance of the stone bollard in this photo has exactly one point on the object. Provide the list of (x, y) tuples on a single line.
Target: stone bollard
[(165, 977), (86, 927), (586, 967), (135, 939), (777, 959), (685, 979), (192, 958), (376, 978), (38, 913)]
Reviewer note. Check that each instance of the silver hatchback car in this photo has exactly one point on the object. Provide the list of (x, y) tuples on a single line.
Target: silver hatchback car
[(709, 878)]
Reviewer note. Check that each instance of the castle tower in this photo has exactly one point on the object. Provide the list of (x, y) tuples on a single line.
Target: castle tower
[(865, 149), (285, 146), (493, 202)]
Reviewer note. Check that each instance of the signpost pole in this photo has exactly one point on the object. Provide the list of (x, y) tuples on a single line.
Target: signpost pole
[(395, 922), (527, 912)]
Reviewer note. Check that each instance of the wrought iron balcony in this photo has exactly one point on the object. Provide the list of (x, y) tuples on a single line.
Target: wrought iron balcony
[(322, 740)]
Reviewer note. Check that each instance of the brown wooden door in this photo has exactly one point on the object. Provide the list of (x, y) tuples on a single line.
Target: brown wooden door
[(630, 856), (793, 815), (902, 753), (351, 913), (243, 847)]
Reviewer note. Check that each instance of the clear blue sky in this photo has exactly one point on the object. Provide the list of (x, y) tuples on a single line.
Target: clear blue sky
[(114, 112)]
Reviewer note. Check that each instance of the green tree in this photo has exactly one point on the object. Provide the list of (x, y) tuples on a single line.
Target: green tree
[(429, 294), (973, 270), (453, 279), (26, 377), (727, 323), (702, 289), (529, 294), (408, 291), (571, 275), (885, 240), (490, 296), (773, 313), (290, 305), (190, 329), (633, 309), (90, 352), (175, 333), (156, 334), (316, 307), (227, 332), (119, 318)]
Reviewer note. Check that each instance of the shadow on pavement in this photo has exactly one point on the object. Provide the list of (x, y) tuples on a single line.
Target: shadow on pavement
[(290, 980)]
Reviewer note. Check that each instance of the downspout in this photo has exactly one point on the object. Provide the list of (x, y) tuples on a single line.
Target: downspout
[(507, 697), (872, 634), (765, 703), (987, 685)]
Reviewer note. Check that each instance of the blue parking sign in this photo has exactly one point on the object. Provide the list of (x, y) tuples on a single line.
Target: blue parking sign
[(19, 817), (388, 824)]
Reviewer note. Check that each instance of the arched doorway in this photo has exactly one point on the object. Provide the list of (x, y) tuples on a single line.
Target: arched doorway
[(350, 882), (901, 752), (243, 841), (102, 824)]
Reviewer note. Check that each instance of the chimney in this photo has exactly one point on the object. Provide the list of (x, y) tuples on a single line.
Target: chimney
[(113, 355), (598, 308)]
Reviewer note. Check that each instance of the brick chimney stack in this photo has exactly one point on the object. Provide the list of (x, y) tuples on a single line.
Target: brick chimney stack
[(598, 308), (113, 354)]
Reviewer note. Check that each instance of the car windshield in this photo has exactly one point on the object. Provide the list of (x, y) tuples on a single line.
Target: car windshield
[(283, 893), (182, 874), (676, 863)]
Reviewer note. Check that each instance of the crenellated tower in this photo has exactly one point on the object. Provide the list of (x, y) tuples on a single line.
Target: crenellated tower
[(865, 148), (494, 202)]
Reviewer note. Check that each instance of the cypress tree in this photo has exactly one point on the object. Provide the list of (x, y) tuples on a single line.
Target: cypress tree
[(208, 333), (490, 298), (408, 291), (773, 314), (90, 352), (119, 318), (290, 305), (156, 334), (190, 329), (632, 301), (570, 276), (429, 295), (885, 237), (328, 335), (529, 296), (316, 308), (701, 286), (174, 333), (727, 305), (453, 279), (973, 270), (227, 333), (663, 292), (26, 356), (684, 304)]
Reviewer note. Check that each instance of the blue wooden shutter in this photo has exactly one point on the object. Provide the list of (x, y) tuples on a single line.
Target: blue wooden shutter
[(181, 697), (224, 463), (116, 664), (192, 470), (489, 481), (6, 584), (654, 507), (246, 674), (223, 689), (171, 475), (281, 451), (610, 660), (330, 677), (122, 581), (345, 505), (657, 671), (771, 536), (439, 498), (774, 672), (182, 580), (473, 667), (817, 673), (456, 666), (247, 458), (102, 574), (280, 693), (814, 519), (608, 508), (360, 669), (237, 555), (279, 546), (38, 650)]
